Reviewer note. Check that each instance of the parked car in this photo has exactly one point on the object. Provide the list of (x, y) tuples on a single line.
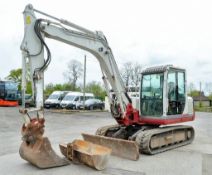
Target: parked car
[(28, 100), (94, 104), (88, 96), (74, 100), (54, 99)]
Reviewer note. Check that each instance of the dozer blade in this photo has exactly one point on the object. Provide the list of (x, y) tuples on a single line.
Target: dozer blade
[(121, 148), (80, 151), (41, 154)]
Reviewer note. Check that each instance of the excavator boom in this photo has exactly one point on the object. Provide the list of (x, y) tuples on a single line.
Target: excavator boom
[(36, 148)]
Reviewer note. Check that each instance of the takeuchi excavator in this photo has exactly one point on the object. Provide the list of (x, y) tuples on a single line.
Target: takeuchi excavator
[(147, 121)]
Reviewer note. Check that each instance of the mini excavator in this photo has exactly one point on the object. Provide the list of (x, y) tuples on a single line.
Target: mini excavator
[(162, 102)]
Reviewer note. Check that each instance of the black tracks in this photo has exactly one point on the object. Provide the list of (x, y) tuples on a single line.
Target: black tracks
[(178, 136)]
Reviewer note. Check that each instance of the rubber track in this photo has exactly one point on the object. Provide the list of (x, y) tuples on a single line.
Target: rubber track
[(143, 139), (103, 130)]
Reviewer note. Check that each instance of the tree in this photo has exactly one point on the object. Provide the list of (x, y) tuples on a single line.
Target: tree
[(59, 87), (194, 93), (49, 89), (96, 88), (15, 75), (130, 73), (74, 72), (208, 88), (210, 96), (191, 87), (136, 74), (126, 73), (29, 87)]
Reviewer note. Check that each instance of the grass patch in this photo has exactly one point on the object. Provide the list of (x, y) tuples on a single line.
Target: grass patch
[(203, 109)]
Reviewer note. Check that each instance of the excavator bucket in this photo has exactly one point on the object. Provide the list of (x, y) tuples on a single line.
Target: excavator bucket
[(121, 148), (41, 154), (37, 149), (80, 151)]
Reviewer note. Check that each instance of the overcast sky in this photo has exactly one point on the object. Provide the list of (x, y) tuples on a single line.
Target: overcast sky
[(152, 32)]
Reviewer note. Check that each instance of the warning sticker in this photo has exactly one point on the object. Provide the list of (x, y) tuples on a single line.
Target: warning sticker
[(28, 20)]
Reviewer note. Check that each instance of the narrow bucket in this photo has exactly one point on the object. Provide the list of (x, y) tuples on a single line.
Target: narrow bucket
[(41, 154)]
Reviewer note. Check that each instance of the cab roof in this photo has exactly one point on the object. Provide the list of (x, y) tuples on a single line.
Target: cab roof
[(160, 69)]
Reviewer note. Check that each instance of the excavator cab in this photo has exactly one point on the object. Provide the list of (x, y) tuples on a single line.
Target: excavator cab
[(163, 96)]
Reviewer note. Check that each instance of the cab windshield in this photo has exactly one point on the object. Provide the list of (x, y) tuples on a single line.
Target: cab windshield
[(152, 95)]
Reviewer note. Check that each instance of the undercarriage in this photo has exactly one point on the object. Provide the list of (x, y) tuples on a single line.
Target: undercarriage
[(151, 139)]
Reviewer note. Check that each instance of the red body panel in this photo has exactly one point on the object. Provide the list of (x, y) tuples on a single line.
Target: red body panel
[(167, 121), (8, 103), (132, 117)]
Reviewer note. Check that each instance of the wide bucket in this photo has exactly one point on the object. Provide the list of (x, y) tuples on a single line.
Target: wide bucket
[(41, 154), (121, 148), (81, 151)]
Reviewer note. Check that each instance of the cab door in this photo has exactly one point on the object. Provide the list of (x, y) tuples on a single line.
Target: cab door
[(176, 91), (151, 98)]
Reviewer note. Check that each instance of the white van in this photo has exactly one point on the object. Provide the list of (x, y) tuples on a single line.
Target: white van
[(74, 100), (54, 99)]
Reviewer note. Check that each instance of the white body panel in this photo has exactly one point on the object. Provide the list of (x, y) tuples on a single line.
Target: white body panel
[(190, 106)]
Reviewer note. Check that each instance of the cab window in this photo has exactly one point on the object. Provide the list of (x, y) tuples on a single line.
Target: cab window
[(152, 95), (176, 92)]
